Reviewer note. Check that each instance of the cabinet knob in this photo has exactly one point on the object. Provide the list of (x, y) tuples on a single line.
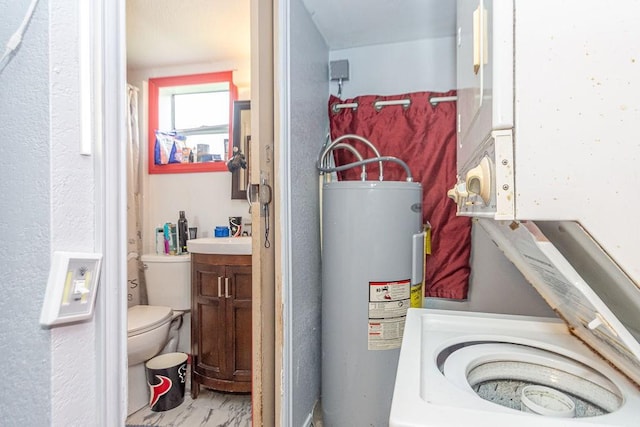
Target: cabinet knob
[(219, 286), (226, 287)]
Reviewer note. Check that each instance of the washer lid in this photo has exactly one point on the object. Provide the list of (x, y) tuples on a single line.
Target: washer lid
[(142, 318), (575, 276)]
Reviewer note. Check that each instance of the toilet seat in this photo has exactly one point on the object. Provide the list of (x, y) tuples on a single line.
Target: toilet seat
[(143, 318)]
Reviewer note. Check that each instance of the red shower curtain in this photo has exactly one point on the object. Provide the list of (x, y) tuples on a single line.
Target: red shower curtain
[(424, 136)]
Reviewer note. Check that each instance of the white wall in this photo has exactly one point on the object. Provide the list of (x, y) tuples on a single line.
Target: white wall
[(72, 219), (25, 220), (205, 196), (48, 204), (391, 69)]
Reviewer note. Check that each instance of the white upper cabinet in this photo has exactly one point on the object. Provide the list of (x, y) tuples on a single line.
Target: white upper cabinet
[(549, 112), (484, 71)]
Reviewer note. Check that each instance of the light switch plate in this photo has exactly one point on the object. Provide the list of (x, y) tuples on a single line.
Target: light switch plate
[(71, 288)]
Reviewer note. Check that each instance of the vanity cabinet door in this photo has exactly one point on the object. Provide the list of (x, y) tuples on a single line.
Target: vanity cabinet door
[(238, 320), (221, 323), (208, 321)]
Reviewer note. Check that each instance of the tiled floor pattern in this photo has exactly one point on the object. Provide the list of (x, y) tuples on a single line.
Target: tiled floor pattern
[(211, 409)]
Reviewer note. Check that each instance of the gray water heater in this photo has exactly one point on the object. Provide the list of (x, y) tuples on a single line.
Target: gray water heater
[(372, 257)]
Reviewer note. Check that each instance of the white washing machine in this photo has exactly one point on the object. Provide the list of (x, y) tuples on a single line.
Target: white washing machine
[(477, 369)]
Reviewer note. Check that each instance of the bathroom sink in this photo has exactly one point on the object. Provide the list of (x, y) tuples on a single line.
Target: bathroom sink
[(220, 245)]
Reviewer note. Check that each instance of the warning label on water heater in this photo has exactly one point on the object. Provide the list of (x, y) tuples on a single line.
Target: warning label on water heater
[(388, 305)]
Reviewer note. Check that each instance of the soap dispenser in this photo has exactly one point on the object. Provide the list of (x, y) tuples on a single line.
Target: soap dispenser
[(183, 232)]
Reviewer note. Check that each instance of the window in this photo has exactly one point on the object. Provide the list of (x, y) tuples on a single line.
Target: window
[(190, 122)]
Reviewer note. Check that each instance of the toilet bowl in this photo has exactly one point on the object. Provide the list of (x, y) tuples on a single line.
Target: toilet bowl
[(147, 331), (151, 330), (159, 327)]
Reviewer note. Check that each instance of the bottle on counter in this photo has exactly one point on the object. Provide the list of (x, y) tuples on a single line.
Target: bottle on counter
[(160, 246), (171, 244), (183, 233)]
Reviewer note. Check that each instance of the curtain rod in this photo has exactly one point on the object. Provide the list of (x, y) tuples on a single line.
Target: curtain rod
[(404, 102)]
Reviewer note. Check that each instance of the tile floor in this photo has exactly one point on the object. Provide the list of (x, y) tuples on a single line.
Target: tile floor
[(210, 409)]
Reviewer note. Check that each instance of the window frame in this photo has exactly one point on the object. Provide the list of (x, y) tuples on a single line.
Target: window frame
[(193, 79)]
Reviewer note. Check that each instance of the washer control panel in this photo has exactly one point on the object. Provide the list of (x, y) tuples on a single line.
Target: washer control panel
[(485, 185)]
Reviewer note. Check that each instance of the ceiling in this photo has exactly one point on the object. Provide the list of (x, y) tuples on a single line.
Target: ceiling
[(163, 33), (354, 23)]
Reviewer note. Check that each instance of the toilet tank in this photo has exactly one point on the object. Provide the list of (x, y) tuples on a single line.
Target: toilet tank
[(168, 279)]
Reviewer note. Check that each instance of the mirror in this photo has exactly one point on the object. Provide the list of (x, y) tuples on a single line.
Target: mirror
[(241, 149)]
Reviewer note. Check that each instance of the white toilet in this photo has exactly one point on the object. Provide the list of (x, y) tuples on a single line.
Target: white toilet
[(163, 326)]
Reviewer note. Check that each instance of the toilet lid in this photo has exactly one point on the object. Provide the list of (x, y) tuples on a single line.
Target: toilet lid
[(142, 318)]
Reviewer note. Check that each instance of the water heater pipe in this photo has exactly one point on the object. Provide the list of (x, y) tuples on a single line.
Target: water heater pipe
[(329, 148), (379, 159), (352, 149), (371, 160)]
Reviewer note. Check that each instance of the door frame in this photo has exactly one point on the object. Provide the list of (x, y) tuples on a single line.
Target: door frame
[(284, 291), (108, 62), (265, 321)]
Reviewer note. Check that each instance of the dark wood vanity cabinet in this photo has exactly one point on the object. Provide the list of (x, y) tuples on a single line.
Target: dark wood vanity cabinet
[(220, 322)]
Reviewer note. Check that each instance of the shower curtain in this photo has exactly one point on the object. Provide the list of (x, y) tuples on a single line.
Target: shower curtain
[(424, 136), (136, 293)]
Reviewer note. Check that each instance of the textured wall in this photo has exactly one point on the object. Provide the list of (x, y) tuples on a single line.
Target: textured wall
[(24, 220), (48, 204), (73, 351), (309, 124)]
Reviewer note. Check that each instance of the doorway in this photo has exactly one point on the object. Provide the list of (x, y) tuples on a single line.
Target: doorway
[(260, 91)]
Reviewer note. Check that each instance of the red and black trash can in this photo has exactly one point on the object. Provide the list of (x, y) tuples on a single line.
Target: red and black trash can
[(166, 377)]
